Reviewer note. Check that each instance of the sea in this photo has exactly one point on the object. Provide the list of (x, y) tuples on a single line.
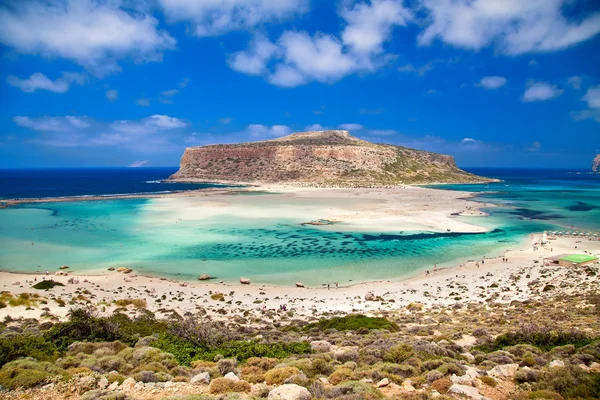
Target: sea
[(144, 234)]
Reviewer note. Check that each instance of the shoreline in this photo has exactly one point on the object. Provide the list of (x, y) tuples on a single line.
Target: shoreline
[(522, 277)]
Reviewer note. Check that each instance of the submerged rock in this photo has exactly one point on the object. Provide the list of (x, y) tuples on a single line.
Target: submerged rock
[(244, 281)]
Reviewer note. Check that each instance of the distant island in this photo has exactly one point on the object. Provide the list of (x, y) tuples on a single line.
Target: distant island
[(596, 163), (330, 158)]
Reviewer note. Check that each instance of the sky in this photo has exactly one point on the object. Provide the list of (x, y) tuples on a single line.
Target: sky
[(494, 83)]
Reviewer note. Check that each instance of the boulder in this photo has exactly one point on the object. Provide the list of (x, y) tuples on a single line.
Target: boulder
[(320, 346), (102, 383), (383, 383), (370, 296), (556, 363), (289, 392), (231, 376), (468, 391), (244, 281), (203, 378), (504, 371), (64, 267), (204, 277), (299, 284), (128, 384), (407, 386), (113, 386), (325, 381)]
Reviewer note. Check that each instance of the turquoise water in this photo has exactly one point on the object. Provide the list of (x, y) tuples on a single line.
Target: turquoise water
[(145, 235), (96, 235)]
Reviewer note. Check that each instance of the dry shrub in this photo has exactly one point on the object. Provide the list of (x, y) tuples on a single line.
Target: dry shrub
[(340, 375), (137, 303), (488, 380), (224, 385), (442, 385), (278, 376), (264, 363), (253, 374)]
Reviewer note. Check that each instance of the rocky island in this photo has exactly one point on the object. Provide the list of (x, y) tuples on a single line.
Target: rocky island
[(331, 158), (596, 163)]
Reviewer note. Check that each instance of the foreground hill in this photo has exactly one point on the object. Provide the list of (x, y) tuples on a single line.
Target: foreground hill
[(319, 158)]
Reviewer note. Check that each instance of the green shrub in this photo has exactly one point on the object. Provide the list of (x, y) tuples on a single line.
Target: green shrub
[(399, 353), (26, 373), (12, 348), (352, 323), (277, 376), (570, 382), (542, 338), (186, 352), (46, 284), (355, 390)]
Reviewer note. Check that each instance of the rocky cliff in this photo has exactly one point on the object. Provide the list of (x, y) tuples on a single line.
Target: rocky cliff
[(596, 164), (321, 158)]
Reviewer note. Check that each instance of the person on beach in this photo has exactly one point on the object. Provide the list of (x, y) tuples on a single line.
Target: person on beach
[(328, 285)]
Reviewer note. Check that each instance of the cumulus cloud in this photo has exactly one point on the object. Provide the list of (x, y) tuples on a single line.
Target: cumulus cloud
[(592, 99), (541, 91), (142, 102), (53, 124), (212, 18), (112, 94), (39, 81), (314, 127), (298, 57), (511, 26), (257, 131), (95, 34), (575, 82), (351, 127), (492, 82)]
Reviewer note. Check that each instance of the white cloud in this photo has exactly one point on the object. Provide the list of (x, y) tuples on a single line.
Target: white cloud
[(298, 58), (226, 120), (541, 91), (53, 124), (421, 71), (535, 146), (253, 61), (512, 26), (184, 82), (370, 25), (137, 164), (95, 34), (592, 99), (575, 82), (351, 127), (381, 132), (215, 17), (468, 140), (112, 94), (39, 81), (258, 131), (142, 102), (492, 82), (150, 124), (314, 127), (170, 92)]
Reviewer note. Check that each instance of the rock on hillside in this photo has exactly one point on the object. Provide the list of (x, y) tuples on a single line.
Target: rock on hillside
[(596, 164), (319, 158)]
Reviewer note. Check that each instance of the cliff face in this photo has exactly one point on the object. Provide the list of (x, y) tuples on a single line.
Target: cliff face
[(322, 158), (596, 164)]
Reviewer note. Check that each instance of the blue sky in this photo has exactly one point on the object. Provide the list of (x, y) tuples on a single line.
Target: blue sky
[(506, 83)]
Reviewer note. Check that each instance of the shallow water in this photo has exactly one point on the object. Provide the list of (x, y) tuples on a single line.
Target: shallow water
[(149, 236)]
